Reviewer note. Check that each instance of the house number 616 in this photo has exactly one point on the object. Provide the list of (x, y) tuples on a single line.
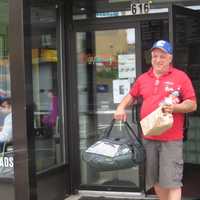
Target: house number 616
[(140, 8)]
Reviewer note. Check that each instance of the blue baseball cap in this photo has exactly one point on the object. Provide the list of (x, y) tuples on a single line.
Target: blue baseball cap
[(163, 45)]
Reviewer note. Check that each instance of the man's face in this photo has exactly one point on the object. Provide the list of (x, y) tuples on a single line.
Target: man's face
[(160, 60)]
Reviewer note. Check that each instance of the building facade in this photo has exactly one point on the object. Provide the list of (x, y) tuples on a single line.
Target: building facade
[(66, 65)]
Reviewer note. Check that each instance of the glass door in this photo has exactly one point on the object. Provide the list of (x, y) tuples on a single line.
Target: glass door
[(50, 162), (106, 69), (185, 34)]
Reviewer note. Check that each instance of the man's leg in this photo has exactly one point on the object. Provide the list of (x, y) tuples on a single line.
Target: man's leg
[(168, 194), (171, 170), (152, 160), (161, 192), (174, 194)]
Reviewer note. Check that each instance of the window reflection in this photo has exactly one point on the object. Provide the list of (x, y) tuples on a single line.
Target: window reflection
[(49, 120), (47, 109), (6, 133)]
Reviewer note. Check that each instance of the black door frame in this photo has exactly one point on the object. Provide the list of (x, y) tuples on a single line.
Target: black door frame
[(128, 22), (22, 104), (60, 175), (96, 24), (26, 180)]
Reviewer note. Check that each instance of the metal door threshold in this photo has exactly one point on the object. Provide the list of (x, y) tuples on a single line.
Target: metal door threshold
[(122, 195)]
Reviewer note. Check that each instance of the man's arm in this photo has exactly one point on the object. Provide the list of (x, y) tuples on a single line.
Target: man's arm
[(183, 107), (120, 113)]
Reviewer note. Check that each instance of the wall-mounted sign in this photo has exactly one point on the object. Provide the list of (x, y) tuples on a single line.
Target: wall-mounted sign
[(140, 8)]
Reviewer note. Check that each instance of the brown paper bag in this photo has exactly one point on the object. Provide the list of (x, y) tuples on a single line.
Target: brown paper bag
[(156, 122)]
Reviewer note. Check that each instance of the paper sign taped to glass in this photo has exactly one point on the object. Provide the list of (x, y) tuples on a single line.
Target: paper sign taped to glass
[(156, 122)]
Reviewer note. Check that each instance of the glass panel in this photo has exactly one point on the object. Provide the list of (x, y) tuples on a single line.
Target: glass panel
[(6, 135), (45, 59), (186, 56), (106, 68)]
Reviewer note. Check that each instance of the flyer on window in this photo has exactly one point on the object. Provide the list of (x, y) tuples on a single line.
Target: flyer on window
[(120, 89), (126, 66)]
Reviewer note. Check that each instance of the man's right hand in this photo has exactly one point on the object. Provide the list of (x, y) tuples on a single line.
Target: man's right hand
[(120, 114)]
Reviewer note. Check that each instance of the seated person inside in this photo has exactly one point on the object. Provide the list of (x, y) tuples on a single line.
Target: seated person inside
[(6, 129)]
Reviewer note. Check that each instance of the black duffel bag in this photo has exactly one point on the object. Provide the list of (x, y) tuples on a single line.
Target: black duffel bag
[(114, 153)]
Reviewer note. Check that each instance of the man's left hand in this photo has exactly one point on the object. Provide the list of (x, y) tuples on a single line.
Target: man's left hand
[(168, 108)]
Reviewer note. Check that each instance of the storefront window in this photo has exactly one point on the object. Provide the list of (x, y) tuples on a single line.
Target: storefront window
[(46, 85), (6, 134)]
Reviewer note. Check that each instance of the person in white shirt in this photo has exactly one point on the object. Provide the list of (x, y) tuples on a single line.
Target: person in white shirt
[(6, 130)]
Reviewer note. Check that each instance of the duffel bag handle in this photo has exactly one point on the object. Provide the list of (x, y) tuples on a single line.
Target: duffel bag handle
[(130, 132), (108, 131)]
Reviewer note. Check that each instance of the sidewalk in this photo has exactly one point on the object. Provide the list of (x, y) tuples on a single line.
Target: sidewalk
[(76, 197), (73, 197), (112, 196)]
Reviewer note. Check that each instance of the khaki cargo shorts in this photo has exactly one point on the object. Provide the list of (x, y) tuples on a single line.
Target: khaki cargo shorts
[(164, 163)]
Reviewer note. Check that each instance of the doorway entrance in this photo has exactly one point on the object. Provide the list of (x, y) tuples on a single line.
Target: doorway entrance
[(110, 54), (106, 67)]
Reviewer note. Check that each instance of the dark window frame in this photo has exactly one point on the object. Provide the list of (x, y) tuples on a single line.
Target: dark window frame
[(22, 101)]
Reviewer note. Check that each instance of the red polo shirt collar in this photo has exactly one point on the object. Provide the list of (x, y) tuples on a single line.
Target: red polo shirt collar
[(170, 70)]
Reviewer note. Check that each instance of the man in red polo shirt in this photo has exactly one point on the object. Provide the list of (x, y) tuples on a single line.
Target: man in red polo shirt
[(167, 86)]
